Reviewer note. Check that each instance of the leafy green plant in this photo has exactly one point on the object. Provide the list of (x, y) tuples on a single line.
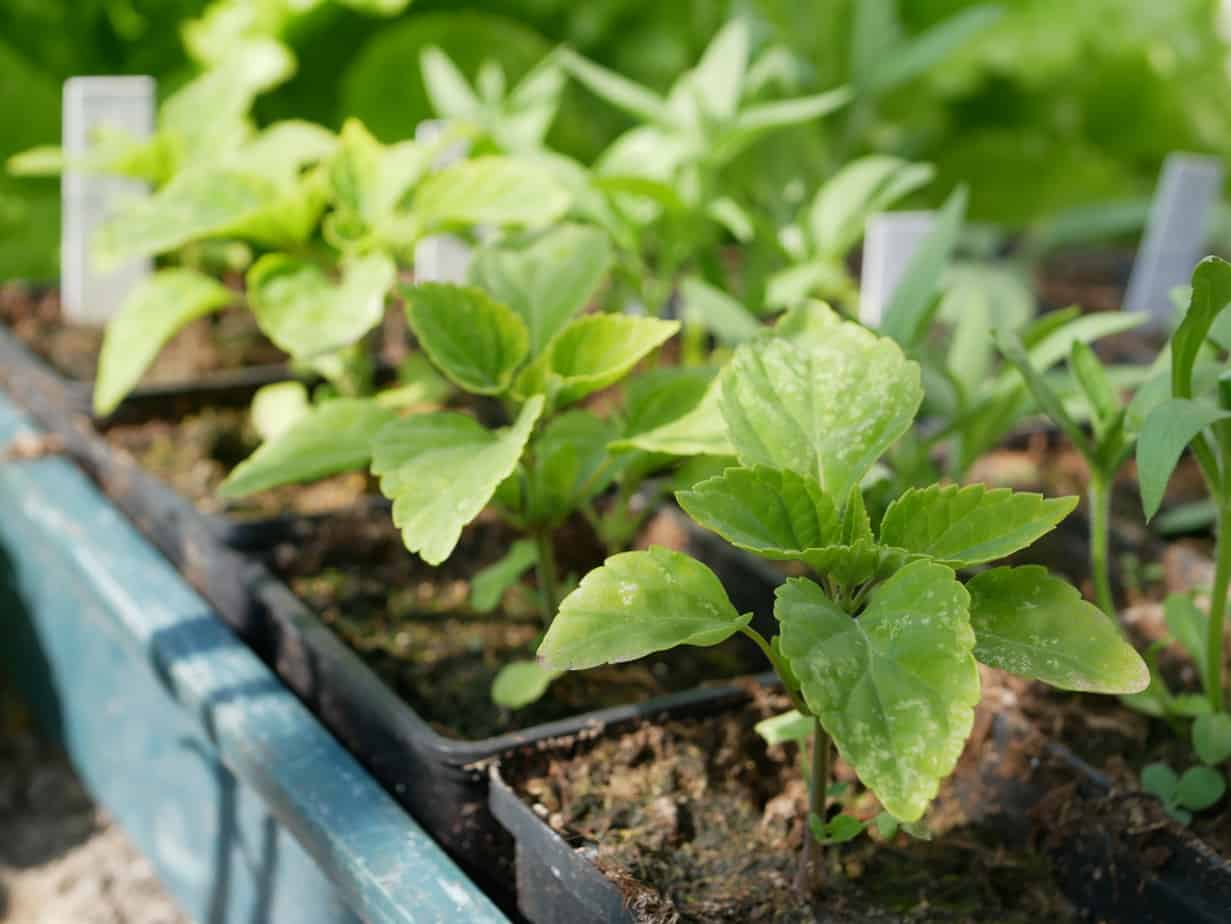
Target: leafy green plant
[(878, 653), (1197, 789)]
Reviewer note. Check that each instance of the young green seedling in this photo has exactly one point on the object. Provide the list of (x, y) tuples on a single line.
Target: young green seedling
[(879, 652)]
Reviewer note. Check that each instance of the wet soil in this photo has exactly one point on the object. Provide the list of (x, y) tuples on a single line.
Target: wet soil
[(700, 821), (228, 339)]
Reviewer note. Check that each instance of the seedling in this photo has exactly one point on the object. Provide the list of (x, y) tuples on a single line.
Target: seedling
[(879, 650), (1195, 790)]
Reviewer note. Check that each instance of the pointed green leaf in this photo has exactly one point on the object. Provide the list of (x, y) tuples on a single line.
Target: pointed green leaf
[(714, 310), (615, 88), (638, 603), (856, 523), (440, 470), (1168, 429), (663, 395), (593, 352), (700, 431), (491, 191), (856, 563), (1094, 382), (922, 52), (306, 313), (790, 726), (860, 189), (761, 118), (489, 584), (1211, 294), (570, 466), (476, 341), (1049, 402), (970, 525), (827, 410), (1188, 625), (447, 90), (548, 279), (1035, 625), (333, 437), (520, 683), (149, 317), (895, 688), (719, 75), (775, 513)]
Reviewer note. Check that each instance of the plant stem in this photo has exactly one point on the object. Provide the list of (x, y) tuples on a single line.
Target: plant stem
[(810, 876), (1100, 518), (545, 570), (1218, 608)]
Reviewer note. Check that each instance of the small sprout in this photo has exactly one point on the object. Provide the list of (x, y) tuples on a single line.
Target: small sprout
[(1196, 790)]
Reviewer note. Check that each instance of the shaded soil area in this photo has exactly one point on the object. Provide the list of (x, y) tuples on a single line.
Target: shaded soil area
[(700, 821), (228, 339), (415, 625), (62, 861)]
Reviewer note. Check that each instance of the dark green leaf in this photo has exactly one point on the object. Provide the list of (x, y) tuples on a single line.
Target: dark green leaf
[(1168, 429)]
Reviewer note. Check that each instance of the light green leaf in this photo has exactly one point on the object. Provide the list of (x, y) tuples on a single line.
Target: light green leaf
[(971, 525), (1035, 625), (856, 524), (521, 683), (1095, 383), (616, 89), (476, 341), (369, 179), (638, 603), (1199, 788), (719, 75), (334, 437), (149, 317), (1188, 625), (1211, 294), (1212, 738), (701, 431), (852, 564), (757, 120), (446, 87), (1049, 402), (43, 160), (570, 466), (790, 726), (489, 584), (440, 470), (661, 396), (895, 688), (909, 309), (1168, 429), (491, 191), (714, 310), (827, 410), (306, 313), (547, 279), (278, 407), (593, 352), (775, 513), (283, 149), (860, 189)]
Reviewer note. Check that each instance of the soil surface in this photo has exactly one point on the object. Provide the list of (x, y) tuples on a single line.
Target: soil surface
[(700, 821), (62, 861), (228, 339), (415, 626)]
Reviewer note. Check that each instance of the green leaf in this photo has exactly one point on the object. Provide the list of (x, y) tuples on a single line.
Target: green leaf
[(839, 830), (909, 309), (775, 513), (1051, 404), (476, 341), (970, 525), (440, 470), (920, 54), (616, 89), (1168, 429), (719, 75), (1035, 625), (446, 88), (1094, 382), (895, 688), (712, 309), (43, 160), (663, 395), (548, 279), (277, 407), (333, 437), (827, 410), (638, 603), (489, 584), (1188, 624), (1211, 293), (856, 524), (150, 316), (491, 191), (852, 564), (570, 466), (700, 431), (860, 189), (1160, 780), (520, 683), (1199, 788), (369, 179), (1212, 738), (790, 726), (305, 313), (755, 121), (593, 352)]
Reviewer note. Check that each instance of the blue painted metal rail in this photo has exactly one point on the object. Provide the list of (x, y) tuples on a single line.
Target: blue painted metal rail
[(250, 811)]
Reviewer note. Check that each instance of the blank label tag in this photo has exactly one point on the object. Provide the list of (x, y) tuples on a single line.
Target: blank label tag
[(889, 243), (441, 257), (1174, 237), (87, 200)]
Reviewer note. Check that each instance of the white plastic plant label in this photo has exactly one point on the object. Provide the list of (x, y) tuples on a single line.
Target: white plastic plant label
[(889, 244), (89, 296), (441, 257), (1174, 238)]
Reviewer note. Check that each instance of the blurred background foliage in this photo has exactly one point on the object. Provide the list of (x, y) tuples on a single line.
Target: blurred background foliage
[(1045, 105)]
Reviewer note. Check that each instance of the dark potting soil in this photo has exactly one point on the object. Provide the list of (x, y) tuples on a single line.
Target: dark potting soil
[(700, 821), (229, 339), (414, 625)]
